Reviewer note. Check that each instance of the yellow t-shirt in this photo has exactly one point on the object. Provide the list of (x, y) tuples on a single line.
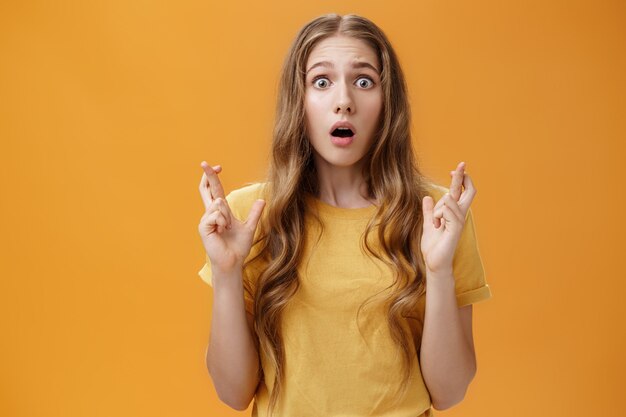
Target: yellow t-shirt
[(335, 367)]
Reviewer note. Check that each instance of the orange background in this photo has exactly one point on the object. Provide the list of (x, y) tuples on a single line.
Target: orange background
[(108, 108)]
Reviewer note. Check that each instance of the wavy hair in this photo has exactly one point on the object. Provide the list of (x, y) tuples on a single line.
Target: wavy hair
[(398, 186)]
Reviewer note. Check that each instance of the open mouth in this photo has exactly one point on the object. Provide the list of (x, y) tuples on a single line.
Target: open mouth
[(342, 132)]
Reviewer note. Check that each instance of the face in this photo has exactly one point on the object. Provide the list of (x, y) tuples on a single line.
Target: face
[(342, 85)]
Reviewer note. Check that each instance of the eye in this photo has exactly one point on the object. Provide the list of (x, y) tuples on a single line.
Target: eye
[(365, 82), (321, 82)]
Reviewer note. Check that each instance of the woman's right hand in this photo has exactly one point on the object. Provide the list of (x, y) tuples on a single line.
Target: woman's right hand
[(227, 241)]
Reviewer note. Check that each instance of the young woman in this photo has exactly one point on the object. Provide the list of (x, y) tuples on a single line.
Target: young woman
[(339, 286)]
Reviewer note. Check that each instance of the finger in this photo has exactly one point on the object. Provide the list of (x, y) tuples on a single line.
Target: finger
[(216, 219), (254, 215), (222, 205), (427, 210), (451, 204), (438, 210), (439, 204), (450, 219), (205, 181), (468, 194), (216, 168), (457, 181), (204, 192), (214, 184)]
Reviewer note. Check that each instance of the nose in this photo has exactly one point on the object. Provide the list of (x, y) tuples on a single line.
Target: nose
[(344, 102)]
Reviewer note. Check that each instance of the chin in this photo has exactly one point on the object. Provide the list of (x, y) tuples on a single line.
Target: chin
[(341, 163)]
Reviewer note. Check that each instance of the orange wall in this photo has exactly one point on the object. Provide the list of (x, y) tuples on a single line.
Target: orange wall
[(107, 109)]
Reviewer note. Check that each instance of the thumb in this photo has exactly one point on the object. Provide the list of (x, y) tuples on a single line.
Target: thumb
[(255, 214), (428, 205)]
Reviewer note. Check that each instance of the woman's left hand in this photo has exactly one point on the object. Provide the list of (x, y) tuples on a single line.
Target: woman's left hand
[(444, 222)]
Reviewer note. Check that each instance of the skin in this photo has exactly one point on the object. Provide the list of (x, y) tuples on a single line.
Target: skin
[(231, 357), (342, 92), (447, 355), (227, 241), (443, 222), (338, 90)]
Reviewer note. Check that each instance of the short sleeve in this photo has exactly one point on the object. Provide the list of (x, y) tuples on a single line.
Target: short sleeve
[(205, 272), (469, 273)]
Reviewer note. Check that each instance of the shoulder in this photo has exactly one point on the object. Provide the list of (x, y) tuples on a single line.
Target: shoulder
[(251, 190), (241, 199), (435, 190)]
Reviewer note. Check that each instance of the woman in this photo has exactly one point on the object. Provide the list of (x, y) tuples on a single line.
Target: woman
[(351, 292)]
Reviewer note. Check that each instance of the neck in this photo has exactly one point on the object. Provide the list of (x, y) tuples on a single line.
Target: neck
[(342, 186)]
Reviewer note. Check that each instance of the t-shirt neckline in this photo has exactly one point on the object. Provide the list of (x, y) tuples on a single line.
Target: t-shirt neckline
[(325, 209)]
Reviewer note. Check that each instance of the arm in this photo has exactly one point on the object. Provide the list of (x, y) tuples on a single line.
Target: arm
[(447, 356), (232, 358)]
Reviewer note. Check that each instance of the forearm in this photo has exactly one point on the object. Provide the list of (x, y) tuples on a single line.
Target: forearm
[(232, 358), (446, 358)]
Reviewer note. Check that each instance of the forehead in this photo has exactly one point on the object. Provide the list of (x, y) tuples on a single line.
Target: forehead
[(342, 49)]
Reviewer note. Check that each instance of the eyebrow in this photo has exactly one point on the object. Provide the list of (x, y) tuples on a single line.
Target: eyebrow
[(359, 64)]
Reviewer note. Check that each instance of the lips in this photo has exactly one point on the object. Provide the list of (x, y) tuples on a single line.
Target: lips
[(342, 129), (342, 133)]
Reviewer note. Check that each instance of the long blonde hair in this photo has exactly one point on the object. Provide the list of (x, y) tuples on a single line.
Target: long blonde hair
[(398, 186)]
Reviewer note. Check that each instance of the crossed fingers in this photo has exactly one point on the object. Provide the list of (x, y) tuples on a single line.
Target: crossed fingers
[(213, 197), (211, 182), (458, 199)]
